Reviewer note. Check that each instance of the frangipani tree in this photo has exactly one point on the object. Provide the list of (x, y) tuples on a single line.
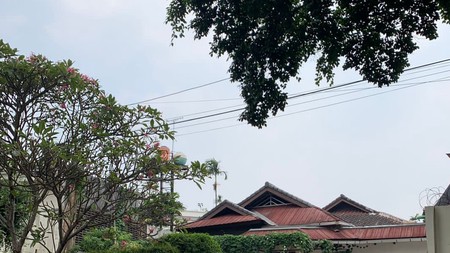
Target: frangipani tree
[(73, 153)]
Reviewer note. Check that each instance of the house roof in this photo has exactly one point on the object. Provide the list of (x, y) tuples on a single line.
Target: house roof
[(359, 214), (271, 209), (271, 190), (294, 215), (222, 220), (226, 205), (444, 200), (349, 204), (406, 231), (227, 213)]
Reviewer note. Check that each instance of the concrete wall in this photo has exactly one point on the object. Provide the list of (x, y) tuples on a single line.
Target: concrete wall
[(389, 247), (51, 237), (437, 222), (399, 247)]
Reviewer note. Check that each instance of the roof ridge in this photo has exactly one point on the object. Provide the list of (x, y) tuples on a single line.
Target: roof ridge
[(350, 201), (268, 185)]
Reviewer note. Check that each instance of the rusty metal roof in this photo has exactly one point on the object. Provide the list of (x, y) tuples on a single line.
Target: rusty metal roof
[(390, 232), (294, 215), (222, 220), (360, 233)]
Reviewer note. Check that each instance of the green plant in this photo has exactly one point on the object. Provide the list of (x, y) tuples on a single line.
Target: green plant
[(267, 243), (75, 154), (193, 243), (155, 247), (104, 239)]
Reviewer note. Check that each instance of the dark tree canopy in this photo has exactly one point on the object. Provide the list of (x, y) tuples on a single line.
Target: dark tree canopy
[(267, 41)]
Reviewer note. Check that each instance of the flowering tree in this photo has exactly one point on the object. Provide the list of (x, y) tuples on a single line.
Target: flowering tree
[(73, 153)]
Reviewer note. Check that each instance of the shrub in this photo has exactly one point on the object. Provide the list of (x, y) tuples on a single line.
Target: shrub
[(150, 248), (104, 239), (193, 243), (266, 243)]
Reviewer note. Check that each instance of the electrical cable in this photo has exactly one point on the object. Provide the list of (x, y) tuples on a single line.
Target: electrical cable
[(308, 93), (181, 91), (320, 107)]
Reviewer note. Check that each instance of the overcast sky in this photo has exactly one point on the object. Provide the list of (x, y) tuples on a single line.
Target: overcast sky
[(380, 150)]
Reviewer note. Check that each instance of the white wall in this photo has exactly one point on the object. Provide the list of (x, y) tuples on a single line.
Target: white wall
[(438, 228), (51, 237), (402, 247), (399, 247)]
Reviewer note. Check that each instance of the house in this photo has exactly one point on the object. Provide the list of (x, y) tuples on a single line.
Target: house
[(345, 222)]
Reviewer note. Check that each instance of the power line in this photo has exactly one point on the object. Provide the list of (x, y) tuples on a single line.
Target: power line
[(317, 99), (319, 107), (197, 101), (181, 91), (224, 79), (311, 92)]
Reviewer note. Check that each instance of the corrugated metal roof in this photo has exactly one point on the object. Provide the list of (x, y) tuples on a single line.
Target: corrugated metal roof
[(222, 220), (389, 232), (366, 233), (293, 215)]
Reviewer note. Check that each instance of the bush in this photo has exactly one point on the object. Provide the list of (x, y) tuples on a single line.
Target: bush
[(193, 243), (266, 243), (104, 239), (151, 248)]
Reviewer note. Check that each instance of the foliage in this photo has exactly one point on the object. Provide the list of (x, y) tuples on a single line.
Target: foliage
[(268, 41), (21, 200), (267, 243), (112, 240), (324, 245), (193, 243), (103, 239), (153, 248), (75, 153), (115, 240)]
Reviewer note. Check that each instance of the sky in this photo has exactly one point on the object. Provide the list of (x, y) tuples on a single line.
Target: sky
[(380, 147)]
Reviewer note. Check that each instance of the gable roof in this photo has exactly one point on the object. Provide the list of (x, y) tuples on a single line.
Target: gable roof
[(228, 213), (344, 201), (271, 190), (444, 200), (223, 206), (359, 214)]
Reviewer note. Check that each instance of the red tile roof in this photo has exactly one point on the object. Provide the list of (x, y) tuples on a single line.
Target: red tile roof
[(222, 220), (293, 215)]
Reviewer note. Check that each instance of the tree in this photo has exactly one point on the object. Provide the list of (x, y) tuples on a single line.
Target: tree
[(74, 154), (213, 168), (267, 41)]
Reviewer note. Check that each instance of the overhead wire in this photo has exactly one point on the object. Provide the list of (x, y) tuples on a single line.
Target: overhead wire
[(310, 101), (310, 93), (179, 92), (318, 107), (293, 96), (323, 90)]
